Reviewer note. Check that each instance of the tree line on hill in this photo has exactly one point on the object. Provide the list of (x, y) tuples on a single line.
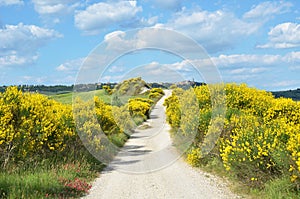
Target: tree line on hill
[(293, 94), (44, 89)]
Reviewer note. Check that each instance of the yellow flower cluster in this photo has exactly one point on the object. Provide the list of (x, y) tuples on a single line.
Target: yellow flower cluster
[(260, 136), (31, 123), (156, 93), (140, 107)]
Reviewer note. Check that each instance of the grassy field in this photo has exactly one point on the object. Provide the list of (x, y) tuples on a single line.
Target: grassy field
[(66, 98)]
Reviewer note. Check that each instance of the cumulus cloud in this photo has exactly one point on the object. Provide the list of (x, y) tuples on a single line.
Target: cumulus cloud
[(221, 29), (164, 39), (285, 35), (265, 10), (19, 43), (11, 2), (99, 16), (216, 30), (117, 42), (52, 10)]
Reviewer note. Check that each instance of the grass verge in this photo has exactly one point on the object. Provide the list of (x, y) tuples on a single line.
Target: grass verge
[(53, 178)]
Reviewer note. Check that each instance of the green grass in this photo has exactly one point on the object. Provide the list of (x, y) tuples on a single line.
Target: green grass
[(67, 98), (280, 188), (29, 185), (48, 179)]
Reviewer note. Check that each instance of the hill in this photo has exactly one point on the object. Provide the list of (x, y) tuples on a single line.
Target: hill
[(293, 94)]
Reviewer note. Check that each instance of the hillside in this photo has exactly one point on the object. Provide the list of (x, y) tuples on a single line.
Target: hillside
[(293, 94)]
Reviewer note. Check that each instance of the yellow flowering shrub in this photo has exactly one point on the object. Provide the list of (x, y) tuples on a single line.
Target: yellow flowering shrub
[(260, 138), (156, 93), (32, 124), (140, 107), (173, 109)]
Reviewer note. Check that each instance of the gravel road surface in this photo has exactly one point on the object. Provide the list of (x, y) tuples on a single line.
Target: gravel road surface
[(150, 167)]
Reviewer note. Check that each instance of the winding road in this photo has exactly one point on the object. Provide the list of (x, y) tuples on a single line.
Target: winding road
[(149, 167)]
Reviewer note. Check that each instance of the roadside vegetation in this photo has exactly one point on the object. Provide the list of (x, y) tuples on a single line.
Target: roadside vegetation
[(41, 153), (258, 144)]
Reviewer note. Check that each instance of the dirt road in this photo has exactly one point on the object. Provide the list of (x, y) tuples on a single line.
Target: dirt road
[(149, 167)]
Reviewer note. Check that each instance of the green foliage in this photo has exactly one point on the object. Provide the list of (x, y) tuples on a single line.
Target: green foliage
[(259, 136)]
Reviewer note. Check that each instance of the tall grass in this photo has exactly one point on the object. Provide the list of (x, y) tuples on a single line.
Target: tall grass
[(56, 177)]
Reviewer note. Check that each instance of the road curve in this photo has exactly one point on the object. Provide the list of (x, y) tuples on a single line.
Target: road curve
[(149, 167)]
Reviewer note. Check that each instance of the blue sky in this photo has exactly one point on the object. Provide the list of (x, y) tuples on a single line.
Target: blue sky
[(46, 41)]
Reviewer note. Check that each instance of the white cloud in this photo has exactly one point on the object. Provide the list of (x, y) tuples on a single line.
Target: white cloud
[(246, 60), (164, 39), (221, 29), (11, 2), (216, 30), (45, 7), (293, 57), (29, 79), (264, 71), (70, 66), (156, 72), (252, 60), (284, 84), (99, 16), (285, 35), (52, 10), (144, 22), (183, 66), (114, 34), (248, 71), (13, 59), (19, 43), (265, 10)]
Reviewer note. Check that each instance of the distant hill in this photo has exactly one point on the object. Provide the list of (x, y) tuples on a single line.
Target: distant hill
[(42, 88), (293, 94)]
